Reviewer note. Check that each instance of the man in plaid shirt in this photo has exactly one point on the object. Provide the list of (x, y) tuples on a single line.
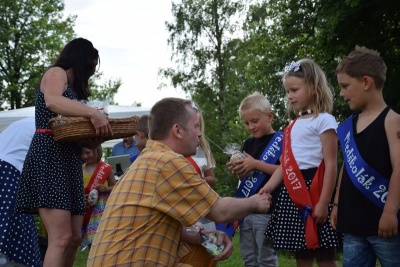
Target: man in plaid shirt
[(160, 193)]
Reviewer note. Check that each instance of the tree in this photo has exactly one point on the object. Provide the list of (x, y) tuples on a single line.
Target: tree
[(374, 24), (279, 32), (326, 31), (219, 68), (199, 36), (32, 34), (105, 91)]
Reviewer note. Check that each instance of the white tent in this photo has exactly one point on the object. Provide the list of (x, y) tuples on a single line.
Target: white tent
[(9, 116)]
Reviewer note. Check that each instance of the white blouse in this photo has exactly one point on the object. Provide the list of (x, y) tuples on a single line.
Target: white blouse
[(306, 142)]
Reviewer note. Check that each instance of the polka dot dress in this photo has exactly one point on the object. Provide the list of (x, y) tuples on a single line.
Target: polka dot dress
[(52, 172), (18, 238), (286, 228)]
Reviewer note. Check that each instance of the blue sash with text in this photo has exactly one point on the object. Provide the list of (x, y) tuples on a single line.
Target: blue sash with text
[(367, 180), (249, 185)]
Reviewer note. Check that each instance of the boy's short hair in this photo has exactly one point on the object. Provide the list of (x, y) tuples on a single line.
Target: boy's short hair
[(142, 124), (364, 62), (255, 101)]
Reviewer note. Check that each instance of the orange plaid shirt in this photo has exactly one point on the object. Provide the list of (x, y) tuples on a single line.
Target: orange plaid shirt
[(142, 222)]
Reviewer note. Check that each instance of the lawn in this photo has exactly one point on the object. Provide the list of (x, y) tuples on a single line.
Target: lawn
[(233, 261)]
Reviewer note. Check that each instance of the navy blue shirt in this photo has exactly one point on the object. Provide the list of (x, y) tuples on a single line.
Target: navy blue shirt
[(254, 147)]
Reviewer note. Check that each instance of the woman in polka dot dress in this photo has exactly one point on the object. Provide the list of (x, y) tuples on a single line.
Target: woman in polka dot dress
[(300, 222), (51, 182), (18, 237)]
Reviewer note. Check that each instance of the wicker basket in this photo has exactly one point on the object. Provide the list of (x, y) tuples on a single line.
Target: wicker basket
[(73, 129)]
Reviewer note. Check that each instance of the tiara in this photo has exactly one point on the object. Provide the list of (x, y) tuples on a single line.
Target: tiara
[(293, 66), (194, 106)]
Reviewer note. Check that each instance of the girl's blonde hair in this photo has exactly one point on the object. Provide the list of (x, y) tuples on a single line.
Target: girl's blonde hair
[(204, 143), (318, 88), (255, 101)]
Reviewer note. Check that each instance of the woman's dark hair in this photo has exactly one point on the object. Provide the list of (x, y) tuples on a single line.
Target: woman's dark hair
[(80, 55)]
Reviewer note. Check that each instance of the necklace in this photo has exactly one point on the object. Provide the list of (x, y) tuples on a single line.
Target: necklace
[(308, 111)]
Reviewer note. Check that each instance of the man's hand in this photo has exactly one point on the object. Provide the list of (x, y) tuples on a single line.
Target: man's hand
[(262, 201), (222, 238)]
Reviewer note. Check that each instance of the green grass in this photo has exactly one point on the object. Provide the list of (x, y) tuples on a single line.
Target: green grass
[(235, 260), (81, 258)]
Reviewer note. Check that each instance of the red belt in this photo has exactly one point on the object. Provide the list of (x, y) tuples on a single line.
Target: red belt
[(45, 131)]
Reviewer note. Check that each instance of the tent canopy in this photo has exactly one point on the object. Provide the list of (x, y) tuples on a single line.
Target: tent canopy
[(115, 112)]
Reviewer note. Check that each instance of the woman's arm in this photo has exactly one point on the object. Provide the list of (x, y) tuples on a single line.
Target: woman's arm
[(53, 85)]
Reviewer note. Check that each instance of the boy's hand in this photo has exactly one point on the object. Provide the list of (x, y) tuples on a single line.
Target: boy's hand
[(234, 165), (388, 225), (230, 165), (242, 167)]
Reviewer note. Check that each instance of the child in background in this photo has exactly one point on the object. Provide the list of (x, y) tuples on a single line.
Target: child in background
[(262, 151), (368, 195), (142, 134), (97, 175), (204, 159), (300, 222)]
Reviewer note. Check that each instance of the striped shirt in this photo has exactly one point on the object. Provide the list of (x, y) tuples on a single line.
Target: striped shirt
[(142, 222)]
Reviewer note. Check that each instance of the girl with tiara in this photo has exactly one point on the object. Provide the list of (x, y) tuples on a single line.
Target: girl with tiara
[(300, 223)]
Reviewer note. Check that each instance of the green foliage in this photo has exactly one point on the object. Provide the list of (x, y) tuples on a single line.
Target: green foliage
[(374, 24), (218, 68), (32, 34), (326, 31), (105, 91), (199, 36)]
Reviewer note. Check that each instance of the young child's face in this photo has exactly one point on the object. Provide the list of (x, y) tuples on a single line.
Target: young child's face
[(141, 139), (297, 93), (257, 123), (351, 89), (88, 155)]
